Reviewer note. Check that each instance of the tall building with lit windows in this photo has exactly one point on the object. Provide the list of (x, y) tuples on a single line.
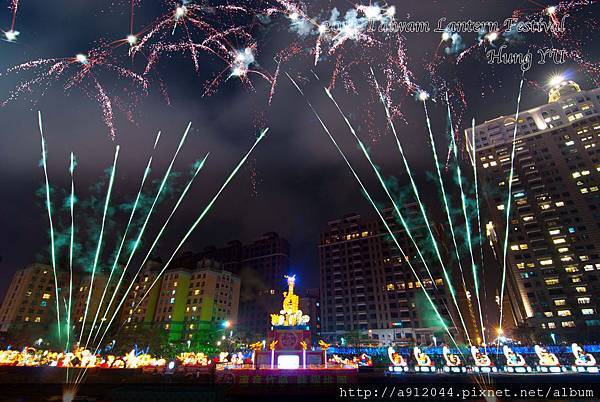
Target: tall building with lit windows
[(260, 265), (367, 288), (139, 310), (184, 300), (30, 301), (554, 225), (82, 300), (29, 307)]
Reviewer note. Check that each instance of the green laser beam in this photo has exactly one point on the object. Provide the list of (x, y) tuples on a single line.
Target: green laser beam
[(411, 178), (49, 209), (445, 200), (475, 178), (198, 220), (156, 239), (138, 239), (508, 202), (99, 247), (467, 221), (121, 245), (373, 204), (399, 213), (148, 215), (71, 240)]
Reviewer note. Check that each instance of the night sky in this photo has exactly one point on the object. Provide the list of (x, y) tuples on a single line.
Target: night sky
[(294, 182)]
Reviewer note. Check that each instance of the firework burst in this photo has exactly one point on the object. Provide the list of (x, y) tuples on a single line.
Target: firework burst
[(84, 71), (219, 31)]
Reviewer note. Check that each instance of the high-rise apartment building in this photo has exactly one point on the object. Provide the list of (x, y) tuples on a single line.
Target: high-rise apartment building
[(554, 224), (29, 307), (184, 300), (30, 301), (133, 314), (87, 296), (260, 264), (310, 305), (367, 287)]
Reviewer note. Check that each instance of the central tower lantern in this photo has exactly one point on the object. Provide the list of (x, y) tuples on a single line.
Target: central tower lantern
[(288, 341), (290, 315)]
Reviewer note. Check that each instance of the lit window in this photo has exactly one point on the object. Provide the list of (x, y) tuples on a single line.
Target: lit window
[(196, 292), (546, 262), (548, 313), (587, 311), (175, 283), (564, 313), (554, 232), (559, 241), (581, 289), (551, 325), (37, 319), (568, 324), (500, 207), (172, 300), (583, 300), (551, 281), (563, 249), (390, 286), (46, 296), (560, 302), (571, 269)]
